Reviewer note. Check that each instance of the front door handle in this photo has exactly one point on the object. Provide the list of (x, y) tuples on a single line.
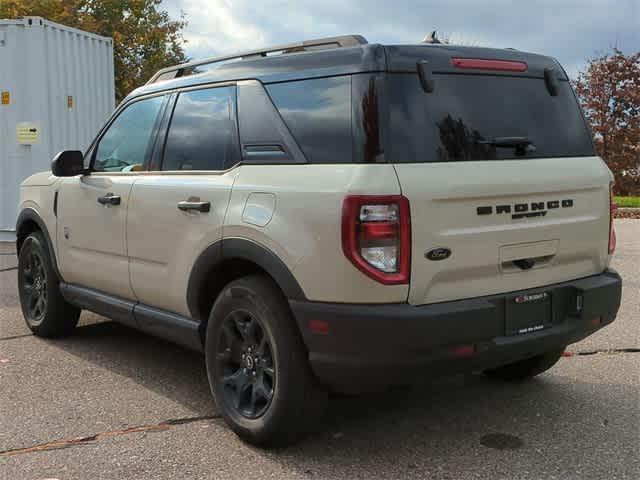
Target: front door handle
[(187, 205), (109, 199)]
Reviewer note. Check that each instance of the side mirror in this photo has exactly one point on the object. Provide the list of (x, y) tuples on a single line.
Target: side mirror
[(68, 163)]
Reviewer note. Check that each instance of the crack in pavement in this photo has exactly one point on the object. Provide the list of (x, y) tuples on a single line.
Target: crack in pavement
[(8, 269), (73, 442), (14, 337), (604, 351)]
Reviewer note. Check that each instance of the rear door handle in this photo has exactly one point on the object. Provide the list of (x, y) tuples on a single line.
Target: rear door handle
[(187, 205), (109, 199)]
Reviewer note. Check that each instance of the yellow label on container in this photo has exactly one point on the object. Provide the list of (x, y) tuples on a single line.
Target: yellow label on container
[(6, 98), (27, 133), (69, 102)]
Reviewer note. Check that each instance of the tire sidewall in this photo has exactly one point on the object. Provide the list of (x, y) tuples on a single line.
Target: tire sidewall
[(236, 297)]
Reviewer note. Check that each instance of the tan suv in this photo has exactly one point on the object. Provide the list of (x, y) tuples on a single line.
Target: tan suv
[(332, 216)]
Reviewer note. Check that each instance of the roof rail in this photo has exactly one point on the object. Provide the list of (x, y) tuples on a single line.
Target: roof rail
[(319, 44)]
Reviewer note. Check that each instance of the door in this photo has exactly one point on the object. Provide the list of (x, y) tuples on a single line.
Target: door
[(501, 175), (177, 210), (92, 209)]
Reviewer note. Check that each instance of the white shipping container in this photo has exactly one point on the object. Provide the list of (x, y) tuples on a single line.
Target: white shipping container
[(57, 90)]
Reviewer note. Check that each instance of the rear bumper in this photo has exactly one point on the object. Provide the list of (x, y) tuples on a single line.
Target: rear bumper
[(370, 347)]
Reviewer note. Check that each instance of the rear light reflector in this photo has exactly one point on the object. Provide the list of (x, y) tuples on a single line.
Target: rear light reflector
[(463, 351), (376, 236), (482, 64), (613, 208), (321, 327)]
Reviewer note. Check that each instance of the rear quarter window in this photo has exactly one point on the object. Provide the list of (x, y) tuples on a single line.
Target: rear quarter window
[(458, 120), (318, 114)]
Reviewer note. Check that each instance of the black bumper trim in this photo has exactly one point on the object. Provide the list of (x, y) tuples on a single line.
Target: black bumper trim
[(369, 347)]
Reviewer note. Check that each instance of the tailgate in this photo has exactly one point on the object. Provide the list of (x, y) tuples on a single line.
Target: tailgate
[(501, 252), (493, 153)]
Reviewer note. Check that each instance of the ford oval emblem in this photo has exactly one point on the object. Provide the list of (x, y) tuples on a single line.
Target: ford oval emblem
[(436, 254)]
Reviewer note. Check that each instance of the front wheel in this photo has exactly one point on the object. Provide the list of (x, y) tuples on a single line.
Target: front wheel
[(527, 368), (257, 365), (47, 314)]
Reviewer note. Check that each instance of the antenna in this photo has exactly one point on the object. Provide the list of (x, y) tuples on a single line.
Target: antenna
[(431, 38)]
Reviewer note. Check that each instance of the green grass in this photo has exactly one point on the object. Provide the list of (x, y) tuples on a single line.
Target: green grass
[(627, 202)]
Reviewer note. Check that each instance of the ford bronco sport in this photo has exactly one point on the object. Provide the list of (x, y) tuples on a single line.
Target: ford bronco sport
[(335, 216)]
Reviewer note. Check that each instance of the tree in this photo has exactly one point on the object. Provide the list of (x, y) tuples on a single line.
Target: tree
[(145, 38), (609, 91)]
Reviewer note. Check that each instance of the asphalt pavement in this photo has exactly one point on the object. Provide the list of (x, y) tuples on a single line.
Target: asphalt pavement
[(111, 403)]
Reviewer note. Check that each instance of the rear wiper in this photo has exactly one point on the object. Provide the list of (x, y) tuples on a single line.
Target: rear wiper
[(521, 144)]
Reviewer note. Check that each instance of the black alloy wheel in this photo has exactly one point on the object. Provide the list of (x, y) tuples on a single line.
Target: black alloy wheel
[(33, 283), (246, 364), (258, 366), (44, 308)]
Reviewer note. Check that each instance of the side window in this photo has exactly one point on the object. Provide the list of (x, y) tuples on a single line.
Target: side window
[(202, 134), (124, 145), (318, 113)]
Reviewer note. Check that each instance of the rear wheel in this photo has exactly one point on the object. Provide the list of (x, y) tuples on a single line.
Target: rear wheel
[(47, 314), (258, 367), (527, 368)]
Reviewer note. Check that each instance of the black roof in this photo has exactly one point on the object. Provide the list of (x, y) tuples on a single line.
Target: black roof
[(349, 60)]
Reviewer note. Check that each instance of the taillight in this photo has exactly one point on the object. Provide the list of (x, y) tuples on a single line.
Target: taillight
[(613, 207), (483, 64), (376, 236)]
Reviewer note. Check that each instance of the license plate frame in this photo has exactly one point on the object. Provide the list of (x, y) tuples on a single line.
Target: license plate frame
[(528, 313)]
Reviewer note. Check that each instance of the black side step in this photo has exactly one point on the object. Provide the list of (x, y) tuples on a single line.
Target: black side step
[(159, 323)]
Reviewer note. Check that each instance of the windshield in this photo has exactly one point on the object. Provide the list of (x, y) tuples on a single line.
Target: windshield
[(483, 117)]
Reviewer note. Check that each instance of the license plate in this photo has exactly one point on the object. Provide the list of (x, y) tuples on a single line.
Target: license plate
[(528, 313)]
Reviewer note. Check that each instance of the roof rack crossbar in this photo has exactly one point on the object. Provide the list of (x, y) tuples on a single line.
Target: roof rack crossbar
[(330, 42)]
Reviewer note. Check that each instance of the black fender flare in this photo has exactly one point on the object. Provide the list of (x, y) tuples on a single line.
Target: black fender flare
[(27, 215), (244, 249)]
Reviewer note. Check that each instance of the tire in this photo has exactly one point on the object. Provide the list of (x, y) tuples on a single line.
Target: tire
[(47, 314), (269, 398), (527, 368)]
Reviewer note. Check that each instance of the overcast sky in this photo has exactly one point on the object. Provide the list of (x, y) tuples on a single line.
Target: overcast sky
[(570, 30)]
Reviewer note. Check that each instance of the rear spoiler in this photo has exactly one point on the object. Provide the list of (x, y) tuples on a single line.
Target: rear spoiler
[(457, 59)]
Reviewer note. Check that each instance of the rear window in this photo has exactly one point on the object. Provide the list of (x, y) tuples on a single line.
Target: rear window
[(202, 135), (483, 117)]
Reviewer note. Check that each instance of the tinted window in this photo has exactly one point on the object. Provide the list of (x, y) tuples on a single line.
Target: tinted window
[(202, 133), (318, 113), (474, 117), (124, 145)]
